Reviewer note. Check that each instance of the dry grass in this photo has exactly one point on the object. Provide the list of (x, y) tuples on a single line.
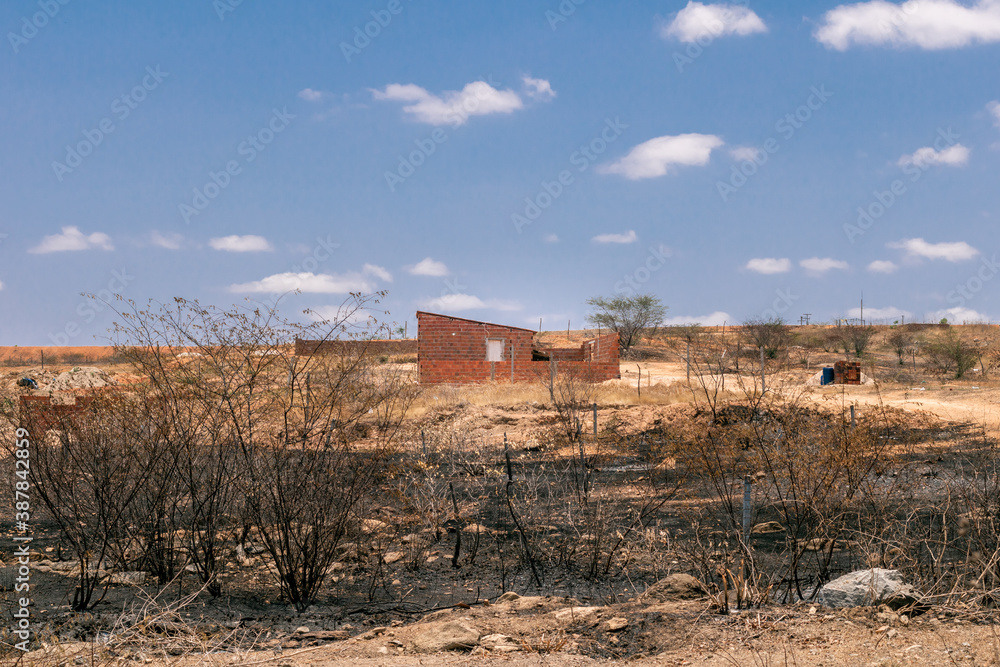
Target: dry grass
[(612, 392)]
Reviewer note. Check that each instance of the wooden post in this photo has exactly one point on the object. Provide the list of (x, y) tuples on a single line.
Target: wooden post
[(762, 371), (854, 422), (595, 420), (688, 357), (512, 363), (746, 510), (638, 384)]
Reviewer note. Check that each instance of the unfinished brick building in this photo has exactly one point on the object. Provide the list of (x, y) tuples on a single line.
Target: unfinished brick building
[(455, 350)]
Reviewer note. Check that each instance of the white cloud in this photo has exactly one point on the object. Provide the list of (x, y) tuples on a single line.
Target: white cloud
[(657, 156), (248, 243), (538, 89), (925, 24), (455, 302), (551, 238), (716, 319), (170, 242), (953, 156), (958, 315), (769, 265), (823, 264), (698, 21), (1, 286), (952, 252), (455, 107), (882, 266), (72, 238), (628, 237), (310, 95), (890, 313), (377, 271), (428, 267), (994, 109), (308, 283), (744, 153)]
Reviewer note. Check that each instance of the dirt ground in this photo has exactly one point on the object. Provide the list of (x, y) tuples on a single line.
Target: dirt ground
[(592, 626)]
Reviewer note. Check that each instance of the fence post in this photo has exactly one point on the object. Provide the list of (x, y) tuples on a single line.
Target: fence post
[(762, 390), (688, 357), (854, 423), (595, 420), (746, 510)]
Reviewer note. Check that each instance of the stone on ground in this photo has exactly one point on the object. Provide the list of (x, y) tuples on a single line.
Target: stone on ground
[(863, 588), (674, 587), (444, 636)]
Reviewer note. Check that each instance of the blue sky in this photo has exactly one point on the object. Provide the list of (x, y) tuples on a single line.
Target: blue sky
[(500, 161)]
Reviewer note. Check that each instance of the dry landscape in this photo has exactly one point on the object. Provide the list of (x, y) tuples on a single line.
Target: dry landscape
[(369, 520)]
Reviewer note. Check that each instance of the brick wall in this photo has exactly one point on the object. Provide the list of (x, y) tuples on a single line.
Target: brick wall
[(452, 350), (39, 414)]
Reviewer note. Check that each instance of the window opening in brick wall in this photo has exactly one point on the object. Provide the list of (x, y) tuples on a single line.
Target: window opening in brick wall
[(494, 349)]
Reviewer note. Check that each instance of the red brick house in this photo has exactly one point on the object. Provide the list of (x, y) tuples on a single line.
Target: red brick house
[(455, 350)]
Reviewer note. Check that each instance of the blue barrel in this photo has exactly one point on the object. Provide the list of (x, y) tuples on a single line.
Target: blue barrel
[(827, 375)]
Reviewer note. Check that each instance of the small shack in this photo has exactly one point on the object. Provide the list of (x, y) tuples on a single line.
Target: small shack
[(456, 350)]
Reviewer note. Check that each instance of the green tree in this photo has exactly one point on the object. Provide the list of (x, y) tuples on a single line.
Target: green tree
[(628, 316)]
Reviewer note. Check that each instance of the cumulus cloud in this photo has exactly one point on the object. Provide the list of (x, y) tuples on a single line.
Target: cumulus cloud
[(716, 319), (538, 89), (454, 107), (952, 252), (698, 21), (658, 156), (310, 95), (994, 109), (170, 242), (248, 243), (823, 264), (882, 266), (628, 237), (925, 24), (953, 156), (744, 153), (71, 238), (377, 271), (890, 313), (428, 267), (769, 265), (958, 315), (456, 302), (308, 283)]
